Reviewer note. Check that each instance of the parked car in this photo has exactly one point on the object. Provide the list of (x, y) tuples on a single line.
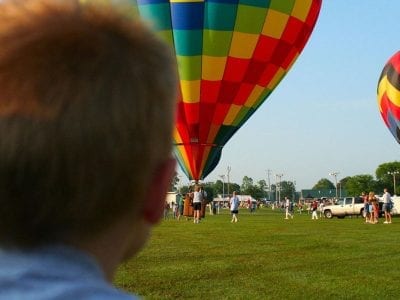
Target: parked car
[(345, 207)]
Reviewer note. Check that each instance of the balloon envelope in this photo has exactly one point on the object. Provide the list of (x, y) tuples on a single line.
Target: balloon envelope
[(231, 55), (389, 95)]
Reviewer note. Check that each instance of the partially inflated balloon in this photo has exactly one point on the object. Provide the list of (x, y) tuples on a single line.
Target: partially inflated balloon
[(389, 95), (231, 55)]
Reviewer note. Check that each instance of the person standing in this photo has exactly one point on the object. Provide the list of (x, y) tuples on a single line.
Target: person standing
[(366, 206), (203, 203), (173, 209), (188, 206), (166, 210), (387, 206), (234, 207), (373, 208), (314, 207), (197, 200), (287, 209), (300, 207), (321, 208), (179, 203)]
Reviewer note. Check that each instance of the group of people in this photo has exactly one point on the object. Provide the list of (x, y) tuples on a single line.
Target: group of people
[(289, 209), (192, 205), (371, 207), (175, 207)]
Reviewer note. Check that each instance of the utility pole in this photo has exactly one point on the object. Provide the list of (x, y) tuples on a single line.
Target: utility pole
[(394, 180), (269, 184), (223, 186), (279, 190), (335, 174), (228, 171)]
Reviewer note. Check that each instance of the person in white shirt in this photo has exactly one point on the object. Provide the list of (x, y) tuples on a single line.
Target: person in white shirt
[(287, 207), (387, 206), (197, 199), (234, 207)]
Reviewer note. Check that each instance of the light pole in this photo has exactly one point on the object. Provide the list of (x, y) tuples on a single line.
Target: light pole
[(228, 169), (223, 186), (279, 190), (335, 174), (393, 173), (269, 185)]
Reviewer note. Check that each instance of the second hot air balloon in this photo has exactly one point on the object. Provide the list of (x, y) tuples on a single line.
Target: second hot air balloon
[(389, 95)]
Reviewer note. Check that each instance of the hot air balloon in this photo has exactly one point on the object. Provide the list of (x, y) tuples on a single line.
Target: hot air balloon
[(231, 55), (389, 95)]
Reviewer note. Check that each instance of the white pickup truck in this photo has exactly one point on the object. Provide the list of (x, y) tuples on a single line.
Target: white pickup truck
[(345, 207)]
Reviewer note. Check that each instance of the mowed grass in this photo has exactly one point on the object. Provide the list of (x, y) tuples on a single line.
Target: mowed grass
[(264, 256)]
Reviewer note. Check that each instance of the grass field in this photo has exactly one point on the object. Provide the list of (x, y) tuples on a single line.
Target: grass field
[(264, 256)]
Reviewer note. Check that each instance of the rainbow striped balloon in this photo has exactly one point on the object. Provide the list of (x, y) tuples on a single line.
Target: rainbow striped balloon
[(389, 95), (231, 54)]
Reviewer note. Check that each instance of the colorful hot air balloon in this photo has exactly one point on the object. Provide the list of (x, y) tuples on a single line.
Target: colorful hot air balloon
[(389, 95), (231, 55)]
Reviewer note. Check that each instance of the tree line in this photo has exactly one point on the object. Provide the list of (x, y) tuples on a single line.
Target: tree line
[(386, 176)]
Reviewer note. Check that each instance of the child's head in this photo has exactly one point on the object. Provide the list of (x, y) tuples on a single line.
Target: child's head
[(86, 114)]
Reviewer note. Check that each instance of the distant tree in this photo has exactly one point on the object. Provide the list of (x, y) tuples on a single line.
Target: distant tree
[(232, 187), (343, 181), (219, 187), (209, 188), (262, 185), (324, 184), (184, 189), (384, 175), (257, 191), (287, 189), (360, 183), (247, 185)]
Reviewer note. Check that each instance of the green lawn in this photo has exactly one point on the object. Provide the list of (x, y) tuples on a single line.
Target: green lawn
[(264, 256)]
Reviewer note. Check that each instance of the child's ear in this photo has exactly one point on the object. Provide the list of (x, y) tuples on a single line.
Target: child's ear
[(153, 207)]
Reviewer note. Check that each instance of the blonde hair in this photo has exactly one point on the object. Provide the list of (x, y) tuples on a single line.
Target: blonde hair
[(371, 196)]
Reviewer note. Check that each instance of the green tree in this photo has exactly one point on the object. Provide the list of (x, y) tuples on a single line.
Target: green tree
[(219, 187), (384, 175), (360, 183), (344, 181), (232, 187), (184, 189), (287, 189), (324, 184), (247, 185), (209, 188), (262, 185)]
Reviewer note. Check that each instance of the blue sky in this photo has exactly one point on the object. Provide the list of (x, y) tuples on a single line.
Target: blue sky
[(323, 116)]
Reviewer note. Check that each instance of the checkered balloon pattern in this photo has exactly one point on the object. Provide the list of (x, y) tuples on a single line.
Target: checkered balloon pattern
[(231, 55), (389, 95)]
